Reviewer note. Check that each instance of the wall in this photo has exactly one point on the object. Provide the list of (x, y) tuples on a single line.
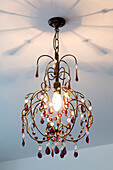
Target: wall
[(95, 158)]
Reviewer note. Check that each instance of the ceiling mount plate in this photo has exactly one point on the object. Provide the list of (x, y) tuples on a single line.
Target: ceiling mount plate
[(57, 22)]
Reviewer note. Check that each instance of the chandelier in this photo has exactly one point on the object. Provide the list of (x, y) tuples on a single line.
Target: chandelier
[(51, 115)]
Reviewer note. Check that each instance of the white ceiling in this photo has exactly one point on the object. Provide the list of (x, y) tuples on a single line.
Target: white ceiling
[(25, 35)]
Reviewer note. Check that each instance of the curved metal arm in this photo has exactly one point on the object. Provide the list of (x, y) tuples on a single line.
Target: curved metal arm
[(66, 64), (44, 56), (67, 55)]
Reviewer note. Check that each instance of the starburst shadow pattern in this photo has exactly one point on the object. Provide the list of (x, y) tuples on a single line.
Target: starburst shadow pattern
[(18, 48)]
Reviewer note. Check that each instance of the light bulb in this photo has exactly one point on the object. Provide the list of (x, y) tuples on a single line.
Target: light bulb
[(57, 101)]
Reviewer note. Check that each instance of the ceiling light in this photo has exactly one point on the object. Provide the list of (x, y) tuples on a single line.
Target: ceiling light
[(51, 113)]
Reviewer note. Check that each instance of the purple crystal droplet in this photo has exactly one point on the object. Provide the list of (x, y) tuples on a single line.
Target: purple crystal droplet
[(76, 79), (65, 112), (26, 107), (75, 154), (56, 150), (64, 151), (89, 114), (82, 108), (50, 110), (47, 151), (39, 154), (73, 119), (69, 126), (43, 138), (42, 120), (36, 72), (87, 139), (23, 142), (79, 136), (33, 133), (62, 154), (36, 137), (48, 125), (52, 153), (52, 131)]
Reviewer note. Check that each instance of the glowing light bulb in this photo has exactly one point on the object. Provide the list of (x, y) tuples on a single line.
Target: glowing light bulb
[(57, 101)]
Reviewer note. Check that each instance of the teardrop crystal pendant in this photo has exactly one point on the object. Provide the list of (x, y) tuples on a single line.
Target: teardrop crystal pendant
[(64, 151), (62, 154), (56, 150), (82, 108), (42, 120), (26, 107), (87, 139), (52, 153), (37, 72), (50, 110), (47, 151), (75, 154), (52, 131), (76, 78), (89, 114), (73, 119), (23, 142), (39, 154), (68, 126)]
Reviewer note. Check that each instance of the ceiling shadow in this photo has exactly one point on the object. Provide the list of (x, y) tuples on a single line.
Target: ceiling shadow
[(31, 5), (98, 26), (30, 73), (13, 51), (73, 6), (7, 78), (93, 45), (17, 29), (86, 67), (20, 47), (41, 14), (46, 10), (103, 11), (110, 71), (12, 13)]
